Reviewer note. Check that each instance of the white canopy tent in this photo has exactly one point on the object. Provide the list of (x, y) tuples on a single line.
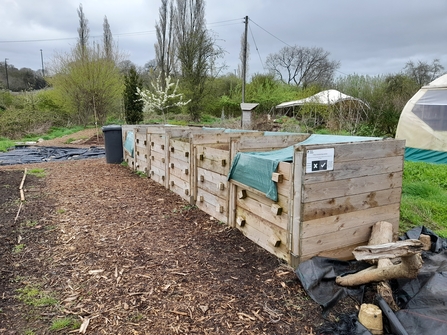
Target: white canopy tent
[(328, 97), (345, 112), (423, 123)]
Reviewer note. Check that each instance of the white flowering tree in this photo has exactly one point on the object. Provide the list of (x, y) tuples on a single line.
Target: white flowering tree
[(159, 99)]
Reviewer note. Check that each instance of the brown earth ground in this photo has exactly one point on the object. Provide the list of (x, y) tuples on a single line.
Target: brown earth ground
[(120, 254)]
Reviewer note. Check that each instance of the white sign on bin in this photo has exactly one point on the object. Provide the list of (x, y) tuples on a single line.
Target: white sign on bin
[(320, 160)]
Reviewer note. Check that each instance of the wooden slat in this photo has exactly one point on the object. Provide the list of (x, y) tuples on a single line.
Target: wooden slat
[(212, 159), (264, 211), (211, 138), (210, 183), (333, 224), (295, 228), (345, 238), (359, 151), (340, 188), (285, 169), (261, 231), (342, 253), (179, 187), (268, 143), (210, 203), (180, 145), (179, 170), (336, 206), (353, 169), (283, 201)]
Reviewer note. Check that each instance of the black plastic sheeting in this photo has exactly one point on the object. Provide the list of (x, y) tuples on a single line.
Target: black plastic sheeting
[(28, 155), (422, 301)]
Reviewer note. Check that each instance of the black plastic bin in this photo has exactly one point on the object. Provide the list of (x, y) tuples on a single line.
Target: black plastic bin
[(113, 144)]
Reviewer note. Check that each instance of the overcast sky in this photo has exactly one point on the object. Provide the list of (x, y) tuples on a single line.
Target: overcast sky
[(367, 37)]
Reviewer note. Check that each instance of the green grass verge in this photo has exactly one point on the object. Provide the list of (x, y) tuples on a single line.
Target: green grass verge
[(5, 144), (424, 197), (54, 132)]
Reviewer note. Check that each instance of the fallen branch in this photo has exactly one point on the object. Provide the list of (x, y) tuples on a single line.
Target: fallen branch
[(22, 194), (408, 268)]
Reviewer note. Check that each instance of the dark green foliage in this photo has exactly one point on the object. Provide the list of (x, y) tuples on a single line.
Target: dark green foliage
[(133, 106), (23, 79)]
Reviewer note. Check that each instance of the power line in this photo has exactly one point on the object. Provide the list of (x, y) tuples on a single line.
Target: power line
[(74, 38), (256, 46), (270, 33)]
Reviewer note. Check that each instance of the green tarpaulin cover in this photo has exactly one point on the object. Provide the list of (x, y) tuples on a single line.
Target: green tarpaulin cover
[(423, 155)]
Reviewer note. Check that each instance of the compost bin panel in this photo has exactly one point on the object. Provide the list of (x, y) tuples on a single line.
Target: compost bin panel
[(267, 235), (339, 207), (141, 150)]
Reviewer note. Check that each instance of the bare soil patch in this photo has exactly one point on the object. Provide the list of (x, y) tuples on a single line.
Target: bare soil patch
[(127, 256)]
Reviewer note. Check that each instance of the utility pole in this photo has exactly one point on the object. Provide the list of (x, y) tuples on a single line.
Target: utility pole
[(244, 60), (41, 58), (6, 70)]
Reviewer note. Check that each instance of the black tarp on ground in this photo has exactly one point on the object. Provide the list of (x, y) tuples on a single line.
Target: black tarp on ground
[(29, 155), (423, 300)]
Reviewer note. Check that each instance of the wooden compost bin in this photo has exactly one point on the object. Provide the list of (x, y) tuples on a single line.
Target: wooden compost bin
[(212, 160), (164, 154), (251, 211), (324, 212), (214, 153)]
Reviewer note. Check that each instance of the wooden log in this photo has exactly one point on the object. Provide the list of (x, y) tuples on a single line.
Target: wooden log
[(380, 251), (408, 250), (408, 268)]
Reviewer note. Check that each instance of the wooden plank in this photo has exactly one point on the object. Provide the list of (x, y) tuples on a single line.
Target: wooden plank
[(157, 175), (268, 143), (179, 164), (178, 169), (179, 145), (211, 181), (264, 211), (343, 253), (180, 187), (354, 236), (261, 232), (213, 158), (283, 188), (296, 208), (209, 203), (283, 201), (358, 151), (336, 206), (219, 137), (211, 138), (340, 188), (328, 225), (353, 169), (285, 169)]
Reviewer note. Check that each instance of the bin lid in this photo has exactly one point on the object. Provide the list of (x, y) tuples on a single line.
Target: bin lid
[(111, 127)]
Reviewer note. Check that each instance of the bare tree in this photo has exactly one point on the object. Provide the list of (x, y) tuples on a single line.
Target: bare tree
[(423, 73), (302, 66), (196, 51), (165, 48)]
